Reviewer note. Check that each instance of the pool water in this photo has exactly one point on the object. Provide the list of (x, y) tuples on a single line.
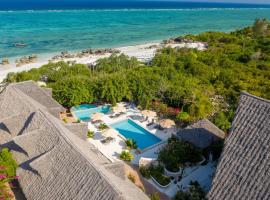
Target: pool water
[(84, 111), (131, 130)]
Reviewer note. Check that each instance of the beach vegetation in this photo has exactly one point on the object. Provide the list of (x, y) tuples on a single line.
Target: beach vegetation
[(181, 79)]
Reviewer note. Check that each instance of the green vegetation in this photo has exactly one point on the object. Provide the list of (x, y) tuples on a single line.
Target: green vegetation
[(184, 82), (178, 153), (103, 127), (8, 168), (131, 144), (90, 134), (195, 192), (156, 172), (126, 156), (7, 162)]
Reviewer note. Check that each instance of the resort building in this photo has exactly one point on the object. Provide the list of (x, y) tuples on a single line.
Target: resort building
[(243, 170), (54, 160), (57, 161)]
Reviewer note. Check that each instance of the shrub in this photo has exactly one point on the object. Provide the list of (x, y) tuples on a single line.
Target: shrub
[(145, 172), (222, 121), (126, 156), (195, 192), (161, 179), (103, 127), (90, 134), (7, 162), (132, 178), (177, 153), (183, 117), (156, 172), (8, 168), (131, 144)]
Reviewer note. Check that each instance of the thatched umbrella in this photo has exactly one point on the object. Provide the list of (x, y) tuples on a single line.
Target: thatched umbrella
[(110, 133), (97, 116), (166, 123), (119, 108), (149, 113)]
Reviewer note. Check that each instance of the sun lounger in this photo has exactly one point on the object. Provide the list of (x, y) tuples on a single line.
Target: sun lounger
[(107, 140), (150, 124)]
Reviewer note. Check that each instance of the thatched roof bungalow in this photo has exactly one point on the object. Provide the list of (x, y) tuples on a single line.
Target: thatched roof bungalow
[(201, 134)]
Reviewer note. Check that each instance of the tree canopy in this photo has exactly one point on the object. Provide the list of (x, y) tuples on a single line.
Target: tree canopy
[(185, 79)]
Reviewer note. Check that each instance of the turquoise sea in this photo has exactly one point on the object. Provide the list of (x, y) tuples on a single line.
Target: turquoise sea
[(47, 31)]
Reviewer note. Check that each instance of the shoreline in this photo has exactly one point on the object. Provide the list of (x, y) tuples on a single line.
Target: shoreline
[(144, 52)]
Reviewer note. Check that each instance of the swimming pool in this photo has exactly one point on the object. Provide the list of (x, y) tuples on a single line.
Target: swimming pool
[(131, 130), (84, 111)]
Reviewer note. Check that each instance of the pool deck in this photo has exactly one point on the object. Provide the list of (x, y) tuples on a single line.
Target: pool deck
[(113, 149)]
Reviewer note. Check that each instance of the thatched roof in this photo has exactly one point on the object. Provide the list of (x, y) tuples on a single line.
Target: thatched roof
[(166, 123), (201, 134), (53, 162), (149, 113), (243, 170)]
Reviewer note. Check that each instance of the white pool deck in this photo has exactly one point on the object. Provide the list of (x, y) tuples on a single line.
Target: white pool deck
[(113, 149)]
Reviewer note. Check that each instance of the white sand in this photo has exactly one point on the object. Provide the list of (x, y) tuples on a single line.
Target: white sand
[(144, 53)]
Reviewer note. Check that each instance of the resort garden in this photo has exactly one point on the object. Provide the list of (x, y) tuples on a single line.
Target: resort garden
[(171, 162), (178, 154), (182, 84)]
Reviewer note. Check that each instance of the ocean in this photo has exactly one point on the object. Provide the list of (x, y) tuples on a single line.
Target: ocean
[(54, 28)]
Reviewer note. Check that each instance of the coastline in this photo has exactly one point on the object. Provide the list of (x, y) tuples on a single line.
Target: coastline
[(143, 52)]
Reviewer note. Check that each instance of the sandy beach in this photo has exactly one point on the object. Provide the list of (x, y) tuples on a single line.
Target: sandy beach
[(143, 52)]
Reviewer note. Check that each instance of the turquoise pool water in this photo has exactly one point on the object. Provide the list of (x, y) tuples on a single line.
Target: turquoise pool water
[(84, 111), (131, 130)]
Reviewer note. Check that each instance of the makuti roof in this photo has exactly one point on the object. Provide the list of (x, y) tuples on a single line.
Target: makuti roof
[(201, 134), (54, 162), (244, 169)]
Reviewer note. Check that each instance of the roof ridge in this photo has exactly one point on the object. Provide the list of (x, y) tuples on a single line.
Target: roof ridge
[(244, 93), (41, 90)]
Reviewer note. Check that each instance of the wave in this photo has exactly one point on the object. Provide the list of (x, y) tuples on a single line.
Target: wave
[(127, 10)]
